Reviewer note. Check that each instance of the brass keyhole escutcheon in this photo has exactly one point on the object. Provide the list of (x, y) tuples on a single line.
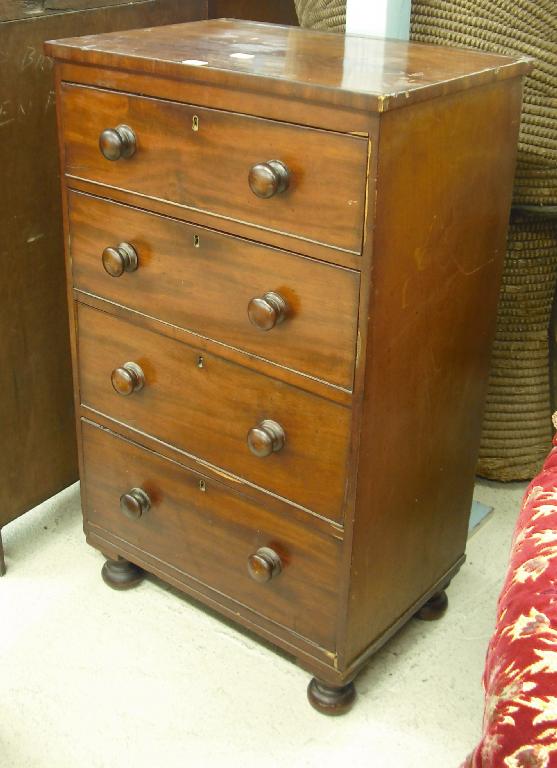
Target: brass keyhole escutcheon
[(195, 123)]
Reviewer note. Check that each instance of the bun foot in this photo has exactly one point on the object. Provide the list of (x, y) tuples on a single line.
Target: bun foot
[(435, 607), (331, 699), (121, 574)]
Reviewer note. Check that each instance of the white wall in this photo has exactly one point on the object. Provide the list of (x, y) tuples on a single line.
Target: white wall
[(379, 18)]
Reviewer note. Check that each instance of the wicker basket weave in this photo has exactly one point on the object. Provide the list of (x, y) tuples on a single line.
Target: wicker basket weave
[(322, 14), (509, 27), (517, 420)]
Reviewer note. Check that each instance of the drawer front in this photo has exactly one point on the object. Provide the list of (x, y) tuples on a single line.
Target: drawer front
[(207, 407), (210, 534), (206, 286), (207, 169)]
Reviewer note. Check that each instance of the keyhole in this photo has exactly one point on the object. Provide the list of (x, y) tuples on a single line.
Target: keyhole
[(196, 241), (202, 486), (200, 362), (195, 123)]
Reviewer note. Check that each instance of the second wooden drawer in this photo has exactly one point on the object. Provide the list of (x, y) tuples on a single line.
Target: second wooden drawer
[(205, 405), (203, 281)]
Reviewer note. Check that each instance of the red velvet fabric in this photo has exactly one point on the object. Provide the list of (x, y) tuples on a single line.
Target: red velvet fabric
[(520, 677)]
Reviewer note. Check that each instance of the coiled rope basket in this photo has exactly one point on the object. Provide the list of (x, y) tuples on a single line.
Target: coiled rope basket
[(322, 14), (517, 421)]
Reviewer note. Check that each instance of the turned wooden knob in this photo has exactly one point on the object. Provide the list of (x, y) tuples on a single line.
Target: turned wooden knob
[(121, 259), (268, 179), (128, 379), (135, 503), (266, 438), (117, 143), (267, 311), (264, 565)]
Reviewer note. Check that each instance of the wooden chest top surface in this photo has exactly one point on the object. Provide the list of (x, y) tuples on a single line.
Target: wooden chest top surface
[(355, 71)]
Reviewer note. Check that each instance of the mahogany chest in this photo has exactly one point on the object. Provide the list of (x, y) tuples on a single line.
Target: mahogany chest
[(283, 258)]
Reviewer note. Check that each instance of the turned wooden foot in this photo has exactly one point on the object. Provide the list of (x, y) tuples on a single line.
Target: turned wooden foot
[(2, 561), (121, 574), (331, 699), (435, 607)]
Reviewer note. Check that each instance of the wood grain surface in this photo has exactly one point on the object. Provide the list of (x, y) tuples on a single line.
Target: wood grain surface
[(366, 73), (203, 281), (432, 318), (207, 169), (207, 411), (37, 10), (208, 533), (274, 11)]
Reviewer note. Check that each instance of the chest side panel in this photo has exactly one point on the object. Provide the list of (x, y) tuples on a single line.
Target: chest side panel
[(445, 173)]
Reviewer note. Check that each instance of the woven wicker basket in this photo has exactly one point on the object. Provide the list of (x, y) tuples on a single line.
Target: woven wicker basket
[(517, 421), (535, 184), (322, 14), (509, 27)]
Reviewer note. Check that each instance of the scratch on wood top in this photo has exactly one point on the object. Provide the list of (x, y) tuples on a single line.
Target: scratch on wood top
[(383, 102)]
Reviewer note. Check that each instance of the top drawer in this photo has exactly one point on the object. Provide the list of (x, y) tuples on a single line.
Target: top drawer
[(208, 168)]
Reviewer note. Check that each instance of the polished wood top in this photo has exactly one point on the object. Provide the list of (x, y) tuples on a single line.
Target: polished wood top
[(359, 72)]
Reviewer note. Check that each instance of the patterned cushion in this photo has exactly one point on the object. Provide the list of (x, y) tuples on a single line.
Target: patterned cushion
[(520, 677)]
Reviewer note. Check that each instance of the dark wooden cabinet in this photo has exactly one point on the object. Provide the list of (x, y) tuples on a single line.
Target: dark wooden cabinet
[(283, 254), (274, 11)]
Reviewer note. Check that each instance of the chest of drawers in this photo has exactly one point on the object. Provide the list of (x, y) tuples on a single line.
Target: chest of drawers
[(283, 257)]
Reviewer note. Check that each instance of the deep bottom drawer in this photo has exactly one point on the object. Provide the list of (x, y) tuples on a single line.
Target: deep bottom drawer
[(208, 532)]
